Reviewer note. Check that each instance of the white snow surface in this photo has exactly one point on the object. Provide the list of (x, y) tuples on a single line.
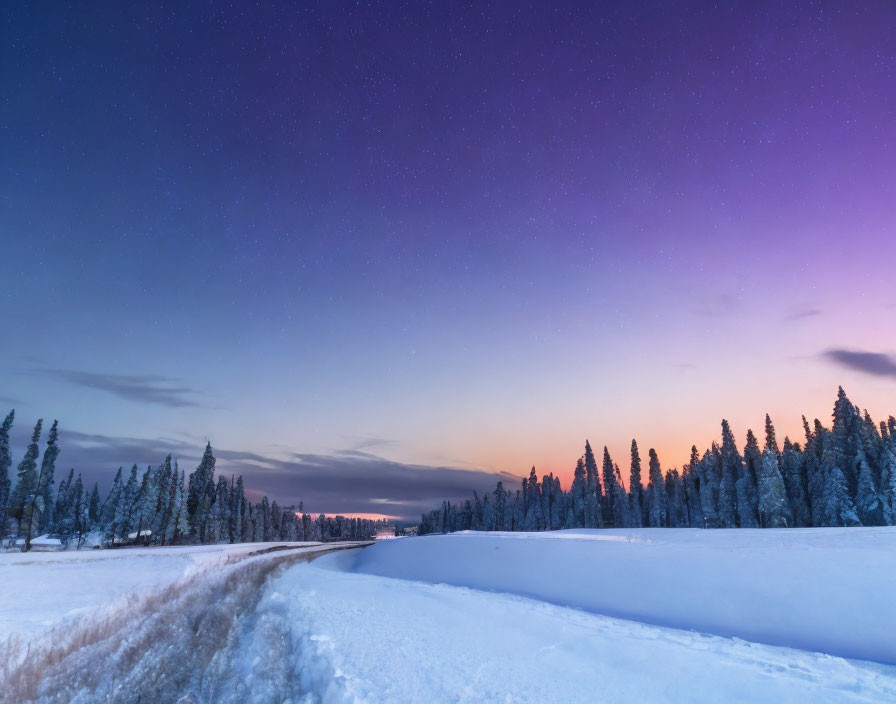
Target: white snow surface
[(363, 638), (40, 590), (828, 590), (572, 616)]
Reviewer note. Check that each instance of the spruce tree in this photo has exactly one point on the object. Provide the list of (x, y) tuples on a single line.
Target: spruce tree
[(636, 489), (774, 511), (691, 481), (94, 507), (44, 515), (747, 491), (731, 470), (110, 508), (657, 493), (793, 470), (578, 490), (593, 492), (26, 487), (5, 464)]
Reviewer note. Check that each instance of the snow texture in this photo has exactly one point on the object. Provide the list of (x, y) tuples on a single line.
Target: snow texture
[(821, 589)]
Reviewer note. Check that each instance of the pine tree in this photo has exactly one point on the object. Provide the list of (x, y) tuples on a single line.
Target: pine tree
[(747, 491), (731, 470), (657, 493), (774, 511), (838, 506), (110, 510), (578, 490), (636, 489), (27, 477), (593, 492), (815, 479), (44, 513), (869, 505), (5, 464), (792, 469), (773, 505), (691, 480), (94, 508), (709, 473)]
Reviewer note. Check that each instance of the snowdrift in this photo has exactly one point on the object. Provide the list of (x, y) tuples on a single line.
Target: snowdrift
[(820, 589)]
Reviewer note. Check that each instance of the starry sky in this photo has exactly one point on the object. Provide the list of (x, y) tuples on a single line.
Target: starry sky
[(380, 254)]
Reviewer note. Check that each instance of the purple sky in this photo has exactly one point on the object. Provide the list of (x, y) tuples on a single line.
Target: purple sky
[(464, 236)]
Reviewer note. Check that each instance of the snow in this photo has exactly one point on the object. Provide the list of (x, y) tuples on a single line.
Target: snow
[(819, 589), (42, 590), (359, 637), (571, 616)]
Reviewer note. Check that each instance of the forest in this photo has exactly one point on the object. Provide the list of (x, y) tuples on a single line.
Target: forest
[(158, 506), (842, 476)]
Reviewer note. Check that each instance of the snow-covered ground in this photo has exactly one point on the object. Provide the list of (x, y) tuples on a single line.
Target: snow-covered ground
[(366, 638), (824, 589), (39, 590), (573, 616)]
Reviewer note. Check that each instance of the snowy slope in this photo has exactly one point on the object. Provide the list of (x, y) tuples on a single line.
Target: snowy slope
[(41, 590), (363, 638), (823, 589)]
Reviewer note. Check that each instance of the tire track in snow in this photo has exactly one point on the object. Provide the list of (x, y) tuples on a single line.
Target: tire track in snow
[(187, 643)]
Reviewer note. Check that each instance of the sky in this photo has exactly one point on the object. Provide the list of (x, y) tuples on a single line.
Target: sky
[(361, 247)]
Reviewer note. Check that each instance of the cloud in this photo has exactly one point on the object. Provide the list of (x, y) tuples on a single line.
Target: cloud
[(149, 388), (358, 482), (348, 481), (803, 313), (11, 401), (873, 363)]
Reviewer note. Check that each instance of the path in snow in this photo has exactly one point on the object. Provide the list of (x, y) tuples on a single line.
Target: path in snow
[(181, 641)]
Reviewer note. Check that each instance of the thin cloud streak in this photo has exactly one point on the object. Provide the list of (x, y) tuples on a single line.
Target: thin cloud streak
[(141, 388), (871, 363)]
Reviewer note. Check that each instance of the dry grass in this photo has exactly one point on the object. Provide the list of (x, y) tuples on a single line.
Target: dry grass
[(174, 643)]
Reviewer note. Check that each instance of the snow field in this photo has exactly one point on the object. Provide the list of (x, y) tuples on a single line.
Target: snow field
[(820, 589), (365, 638)]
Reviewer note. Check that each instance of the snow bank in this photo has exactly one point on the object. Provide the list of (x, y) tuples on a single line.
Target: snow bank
[(821, 589), (362, 638)]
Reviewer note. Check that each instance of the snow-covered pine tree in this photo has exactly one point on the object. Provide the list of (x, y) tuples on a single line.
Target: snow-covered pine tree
[(5, 464), (839, 509), (691, 480), (593, 492), (812, 455), (110, 510), (636, 488), (577, 501), (774, 512), (709, 472), (774, 508), (124, 511), (43, 517), (94, 507), (676, 506), (26, 485), (731, 470), (657, 493), (793, 470), (62, 516), (747, 491), (869, 503)]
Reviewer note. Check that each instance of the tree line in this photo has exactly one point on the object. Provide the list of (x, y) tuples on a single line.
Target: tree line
[(159, 506), (842, 476)]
